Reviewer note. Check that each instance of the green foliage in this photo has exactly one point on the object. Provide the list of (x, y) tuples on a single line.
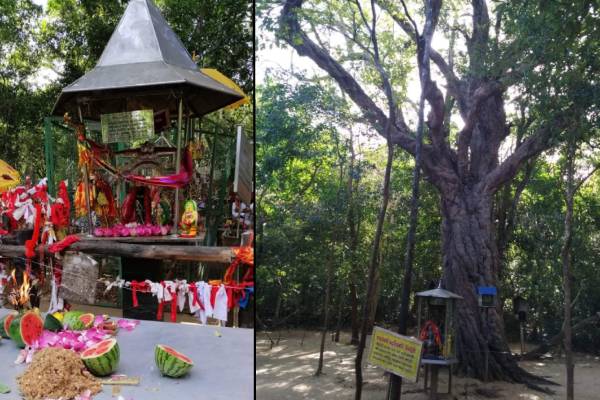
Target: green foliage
[(302, 171), (219, 32), (68, 39)]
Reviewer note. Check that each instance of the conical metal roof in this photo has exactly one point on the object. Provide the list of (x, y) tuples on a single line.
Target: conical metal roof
[(440, 293), (144, 65)]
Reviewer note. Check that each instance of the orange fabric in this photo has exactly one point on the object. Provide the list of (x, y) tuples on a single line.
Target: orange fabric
[(243, 255), (437, 337)]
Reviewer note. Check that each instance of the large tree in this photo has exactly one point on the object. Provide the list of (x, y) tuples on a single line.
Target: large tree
[(542, 54)]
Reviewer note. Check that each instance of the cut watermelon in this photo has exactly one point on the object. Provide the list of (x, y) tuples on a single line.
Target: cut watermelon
[(25, 329), (171, 362), (77, 320), (102, 358), (5, 325)]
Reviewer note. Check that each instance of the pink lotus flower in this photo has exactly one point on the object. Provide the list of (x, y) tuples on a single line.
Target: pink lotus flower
[(139, 230)]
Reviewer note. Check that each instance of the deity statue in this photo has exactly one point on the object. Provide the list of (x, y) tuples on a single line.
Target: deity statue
[(189, 219)]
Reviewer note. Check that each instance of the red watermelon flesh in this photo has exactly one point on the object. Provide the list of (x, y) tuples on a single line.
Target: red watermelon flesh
[(25, 329), (102, 358), (177, 354), (87, 319), (32, 327), (7, 322)]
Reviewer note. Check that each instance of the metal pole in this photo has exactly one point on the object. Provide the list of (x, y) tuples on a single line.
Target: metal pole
[(178, 165), (522, 334), (487, 346), (86, 183), (49, 153)]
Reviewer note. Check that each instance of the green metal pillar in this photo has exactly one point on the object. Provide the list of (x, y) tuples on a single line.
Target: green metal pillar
[(49, 155)]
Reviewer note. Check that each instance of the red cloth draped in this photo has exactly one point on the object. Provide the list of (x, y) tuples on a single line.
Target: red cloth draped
[(171, 181), (31, 243), (63, 244)]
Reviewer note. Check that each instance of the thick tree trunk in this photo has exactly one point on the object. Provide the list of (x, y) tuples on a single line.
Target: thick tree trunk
[(471, 260)]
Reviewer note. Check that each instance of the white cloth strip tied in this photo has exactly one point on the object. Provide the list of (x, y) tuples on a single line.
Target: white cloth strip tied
[(182, 289)]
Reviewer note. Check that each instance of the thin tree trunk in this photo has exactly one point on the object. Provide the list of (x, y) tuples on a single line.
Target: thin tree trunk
[(423, 48), (353, 233), (325, 314), (566, 267), (278, 302), (330, 269), (338, 325), (373, 266), (558, 338)]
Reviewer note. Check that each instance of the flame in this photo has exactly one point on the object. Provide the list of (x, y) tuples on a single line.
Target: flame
[(20, 297), (24, 289)]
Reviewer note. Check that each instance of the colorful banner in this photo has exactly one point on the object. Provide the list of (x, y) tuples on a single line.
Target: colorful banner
[(397, 354)]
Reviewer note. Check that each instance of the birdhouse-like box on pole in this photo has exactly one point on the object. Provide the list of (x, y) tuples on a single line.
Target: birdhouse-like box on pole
[(436, 311), (487, 296)]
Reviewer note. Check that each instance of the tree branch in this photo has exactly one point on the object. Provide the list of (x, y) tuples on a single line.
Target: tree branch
[(585, 178), (464, 137), (530, 147), (293, 34), (481, 31), (454, 85)]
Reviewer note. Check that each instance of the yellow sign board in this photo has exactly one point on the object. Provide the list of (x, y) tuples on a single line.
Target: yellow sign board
[(397, 354)]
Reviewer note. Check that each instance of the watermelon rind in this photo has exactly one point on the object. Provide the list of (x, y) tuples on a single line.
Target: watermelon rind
[(105, 363), (169, 364), (5, 324), (52, 324), (78, 320), (22, 334)]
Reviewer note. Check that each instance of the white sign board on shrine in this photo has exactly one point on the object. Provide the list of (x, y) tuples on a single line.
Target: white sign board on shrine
[(126, 127), (244, 168)]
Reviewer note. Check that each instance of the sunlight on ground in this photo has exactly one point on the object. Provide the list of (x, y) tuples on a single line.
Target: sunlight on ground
[(315, 356), (286, 372), (301, 388), (529, 396)]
